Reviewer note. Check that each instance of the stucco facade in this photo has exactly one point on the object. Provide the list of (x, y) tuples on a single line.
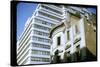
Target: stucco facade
[(77, 40)]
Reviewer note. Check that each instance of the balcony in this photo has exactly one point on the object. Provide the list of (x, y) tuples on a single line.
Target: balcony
[(53, 7), (68, 46), (42, 25), (48, 11), (34, 41), (46, 20), (42, 56), (77, 40), (40, 49), (48, 17), (41, 36), (41, 30)]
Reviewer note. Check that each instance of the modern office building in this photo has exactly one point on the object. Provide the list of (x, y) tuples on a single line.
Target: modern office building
[(74, 39), (34, 45)]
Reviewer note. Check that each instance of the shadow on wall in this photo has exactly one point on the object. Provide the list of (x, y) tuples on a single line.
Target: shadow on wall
[(83, 56)]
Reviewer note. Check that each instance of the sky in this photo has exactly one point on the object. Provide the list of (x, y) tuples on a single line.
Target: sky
[(25, 10), (93, 10)]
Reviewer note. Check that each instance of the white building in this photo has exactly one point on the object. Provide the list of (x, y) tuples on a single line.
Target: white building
[(73, 40), (34, 43)]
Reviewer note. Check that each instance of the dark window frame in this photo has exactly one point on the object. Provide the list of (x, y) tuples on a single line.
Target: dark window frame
[(68, 35), (58, 41)]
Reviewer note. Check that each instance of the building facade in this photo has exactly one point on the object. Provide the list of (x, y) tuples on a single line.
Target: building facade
[(34, 45), (73, 40)]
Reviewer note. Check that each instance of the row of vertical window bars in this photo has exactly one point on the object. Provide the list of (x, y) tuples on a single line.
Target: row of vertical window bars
[(40, 45), (49, 16), (44, 22), (54, 12), (40, 59), (41, 39), (41, 27), (39, 52), (41, 33)]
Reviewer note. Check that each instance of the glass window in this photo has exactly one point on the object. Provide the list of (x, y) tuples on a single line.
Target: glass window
[(43, 22), (41, 45), (41, 27), (78, 52), (40, 39), (50, 16), (68, 35), (76, 29), (58, 40), (40, 52), (52, 9)]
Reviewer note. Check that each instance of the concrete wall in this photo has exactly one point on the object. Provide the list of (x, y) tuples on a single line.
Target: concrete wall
[(90, 36)]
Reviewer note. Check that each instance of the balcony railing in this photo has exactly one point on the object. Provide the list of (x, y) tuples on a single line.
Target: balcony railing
[(41, 18), (48, 11), (49, 17), (77, 40), (68, 46), (53, 7)]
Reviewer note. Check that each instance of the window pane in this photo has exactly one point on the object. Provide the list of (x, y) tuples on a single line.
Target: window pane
[(58, 41), (76, 29), (68, 35)]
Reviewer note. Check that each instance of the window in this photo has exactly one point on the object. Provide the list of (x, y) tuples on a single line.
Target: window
[(76, 29), (78, 48), (49, 16), (78, 52), (40, 39), (77, 40), (58, 40), (43, 22), (68, 46), (68, 35), (48, 8), (41, 45), (40, 59), (40, 52), (40, 33), (41, 27)]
